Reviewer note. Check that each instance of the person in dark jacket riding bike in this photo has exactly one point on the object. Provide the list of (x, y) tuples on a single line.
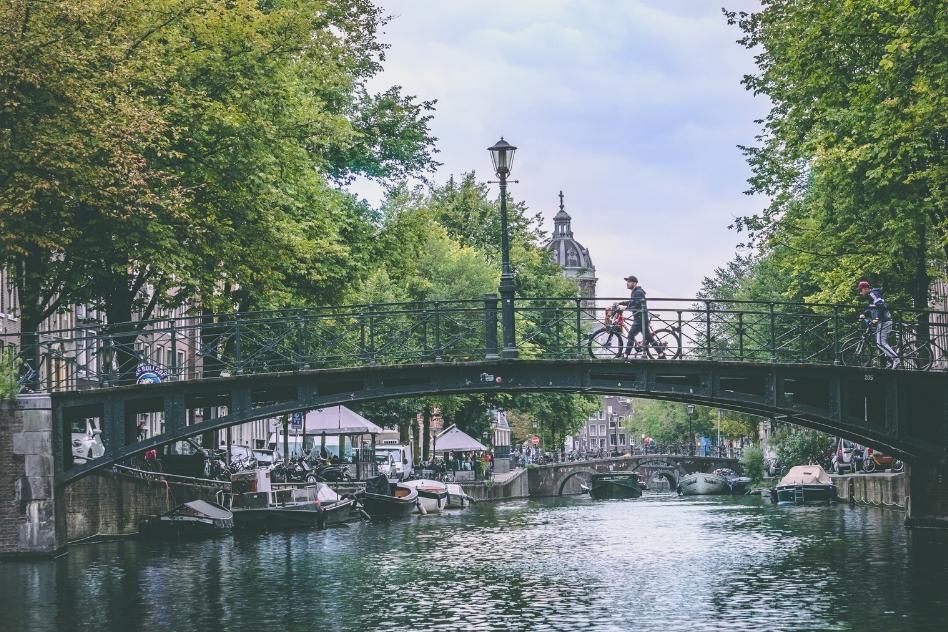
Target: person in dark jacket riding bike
[(636, 304), (878, 315)]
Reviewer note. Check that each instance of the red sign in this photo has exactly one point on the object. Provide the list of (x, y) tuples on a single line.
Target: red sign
[(535, 440)]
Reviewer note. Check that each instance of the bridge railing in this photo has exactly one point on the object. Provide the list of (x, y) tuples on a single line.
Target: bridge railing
[(197, 346)]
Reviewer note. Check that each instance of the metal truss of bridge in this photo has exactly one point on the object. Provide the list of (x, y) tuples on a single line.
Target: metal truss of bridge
[(809, 364)]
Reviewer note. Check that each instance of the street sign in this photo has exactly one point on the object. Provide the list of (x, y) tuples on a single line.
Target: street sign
[(535, 440), (297, 421)]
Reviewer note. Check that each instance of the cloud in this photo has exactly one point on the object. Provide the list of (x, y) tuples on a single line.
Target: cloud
[(632, 107)]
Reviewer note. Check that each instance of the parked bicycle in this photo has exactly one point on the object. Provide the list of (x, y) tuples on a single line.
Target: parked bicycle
[(607, 342)]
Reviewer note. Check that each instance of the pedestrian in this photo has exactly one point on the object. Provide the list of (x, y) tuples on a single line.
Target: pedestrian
[(879, 316), (637, 305)]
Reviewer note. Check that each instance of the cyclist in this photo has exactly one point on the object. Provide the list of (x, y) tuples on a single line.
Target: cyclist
[(636, 304), (878, 314)]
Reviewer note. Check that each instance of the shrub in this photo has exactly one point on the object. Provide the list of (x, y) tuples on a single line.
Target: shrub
[(8, 373), (752, 463)]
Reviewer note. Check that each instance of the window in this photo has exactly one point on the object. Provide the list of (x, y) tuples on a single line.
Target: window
[(159, 355), (170, 361), (602, 429), (612, 439), (621, 439)]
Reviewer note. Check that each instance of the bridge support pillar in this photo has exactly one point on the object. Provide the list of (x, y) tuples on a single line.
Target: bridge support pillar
[(32, 509), (928, 496)]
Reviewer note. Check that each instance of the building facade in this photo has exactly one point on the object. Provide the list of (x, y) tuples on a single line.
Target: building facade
[(604, 431)]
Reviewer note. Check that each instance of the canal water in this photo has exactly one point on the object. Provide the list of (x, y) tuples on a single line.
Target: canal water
[(655, 563)]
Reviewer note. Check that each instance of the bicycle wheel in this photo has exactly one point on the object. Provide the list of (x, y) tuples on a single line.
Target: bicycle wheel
[(666, 345), (605, 343), (917, 355), (856, 353)]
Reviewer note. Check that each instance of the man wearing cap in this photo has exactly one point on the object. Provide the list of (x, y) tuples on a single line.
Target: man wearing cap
[(636, 305), (878, 314)]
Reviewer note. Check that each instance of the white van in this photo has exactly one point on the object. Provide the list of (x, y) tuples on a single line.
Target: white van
[(394, 460)]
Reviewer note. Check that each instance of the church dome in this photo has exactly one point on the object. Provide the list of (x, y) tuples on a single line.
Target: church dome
[(568, 253)]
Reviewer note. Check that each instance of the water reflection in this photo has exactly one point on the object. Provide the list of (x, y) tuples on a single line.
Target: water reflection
[(656, 563)]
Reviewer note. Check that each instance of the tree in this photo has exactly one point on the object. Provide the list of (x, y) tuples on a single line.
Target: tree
[(801, 446), (752, 464), (668, 422), (852, 153)]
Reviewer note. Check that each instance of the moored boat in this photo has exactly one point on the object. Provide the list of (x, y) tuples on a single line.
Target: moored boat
[(432, 495), (312, 506), (805, 484), (457, 497), (615, 485), (382, 500), (737, 484), (197, 517), (702, 483)]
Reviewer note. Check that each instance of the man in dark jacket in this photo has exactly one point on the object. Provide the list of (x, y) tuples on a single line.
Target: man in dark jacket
[(878, 314), (636, 305)]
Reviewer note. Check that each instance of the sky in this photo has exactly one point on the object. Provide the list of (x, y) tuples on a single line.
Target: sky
[(633, 108)]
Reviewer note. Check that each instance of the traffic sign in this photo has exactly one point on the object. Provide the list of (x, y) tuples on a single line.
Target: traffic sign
[(297, 420)]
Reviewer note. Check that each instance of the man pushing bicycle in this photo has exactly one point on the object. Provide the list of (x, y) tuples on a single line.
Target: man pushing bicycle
[(636, 304), (879, 316)]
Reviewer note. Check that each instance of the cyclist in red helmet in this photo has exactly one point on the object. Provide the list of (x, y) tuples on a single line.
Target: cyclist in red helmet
[(878, 315)]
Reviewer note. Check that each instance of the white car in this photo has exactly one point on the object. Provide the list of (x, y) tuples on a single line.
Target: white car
[(847, 457), (87, 445)]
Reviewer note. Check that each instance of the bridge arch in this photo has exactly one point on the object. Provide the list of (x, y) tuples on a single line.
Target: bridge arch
[(586, 471), (900, 412)]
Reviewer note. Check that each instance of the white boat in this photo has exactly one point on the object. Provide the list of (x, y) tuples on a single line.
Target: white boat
[(432, 495), (805, 484), (701, 483), (457, 498)]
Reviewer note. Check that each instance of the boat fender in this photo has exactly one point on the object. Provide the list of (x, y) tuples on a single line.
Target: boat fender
[(421, 508), (362, 514)]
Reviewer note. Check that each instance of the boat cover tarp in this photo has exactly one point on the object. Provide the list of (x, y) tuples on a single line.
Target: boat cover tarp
[(378, 485), (338, 420), (453, 439), (203, 508), (806, 475)]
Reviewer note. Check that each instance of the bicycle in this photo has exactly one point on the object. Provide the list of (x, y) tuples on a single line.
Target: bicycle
[(860, 349), (607, 342)]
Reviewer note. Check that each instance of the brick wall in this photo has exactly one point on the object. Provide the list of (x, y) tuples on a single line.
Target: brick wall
[(107, 504)]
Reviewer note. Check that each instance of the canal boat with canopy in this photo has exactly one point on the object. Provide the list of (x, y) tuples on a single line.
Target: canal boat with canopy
[(805, 484), (615, 485), (432, 495)]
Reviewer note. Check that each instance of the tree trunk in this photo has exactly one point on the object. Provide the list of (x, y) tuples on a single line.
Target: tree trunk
[(416, 456), (426, 431)]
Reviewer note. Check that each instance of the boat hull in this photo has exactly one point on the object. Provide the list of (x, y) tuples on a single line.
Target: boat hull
[(457, 498), (382, 506), (702, 484), (430, 501), (192, 519), (278, 518), (806, 494), (606, 486)]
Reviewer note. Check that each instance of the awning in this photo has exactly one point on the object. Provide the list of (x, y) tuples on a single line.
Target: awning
[(338, 420), (452, 439)]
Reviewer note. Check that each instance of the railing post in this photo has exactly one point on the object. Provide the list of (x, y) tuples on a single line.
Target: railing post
[(490, 327), (238, 369), (836, 359), (802, 336), (707, 311), (371, 335), (740, 335), (363, 351), (557, 337), (174, 351), (773, 334), (579, 326), (438, 351)]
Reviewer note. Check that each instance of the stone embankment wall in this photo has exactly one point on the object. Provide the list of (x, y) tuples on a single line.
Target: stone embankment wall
[(514, 485), (31, 517), (885, 490), (107, 504)]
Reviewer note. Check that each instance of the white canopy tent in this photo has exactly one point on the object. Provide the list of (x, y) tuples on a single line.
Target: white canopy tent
[(338, 420), (453, 439)]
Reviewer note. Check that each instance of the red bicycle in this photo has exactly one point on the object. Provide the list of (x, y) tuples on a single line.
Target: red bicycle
[(607, 342)]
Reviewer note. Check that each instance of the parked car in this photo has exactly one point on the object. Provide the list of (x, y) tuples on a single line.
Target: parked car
[(847, 457), (86, 444)]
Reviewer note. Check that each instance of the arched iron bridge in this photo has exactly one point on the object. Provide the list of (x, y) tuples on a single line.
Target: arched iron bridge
[(809, 364)]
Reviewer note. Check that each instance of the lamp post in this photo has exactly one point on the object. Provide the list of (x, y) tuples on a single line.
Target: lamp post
[(691, 435), (502, 155)]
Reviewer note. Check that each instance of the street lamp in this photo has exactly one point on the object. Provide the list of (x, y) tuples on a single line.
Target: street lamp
[(502, 155), (691, 435)]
